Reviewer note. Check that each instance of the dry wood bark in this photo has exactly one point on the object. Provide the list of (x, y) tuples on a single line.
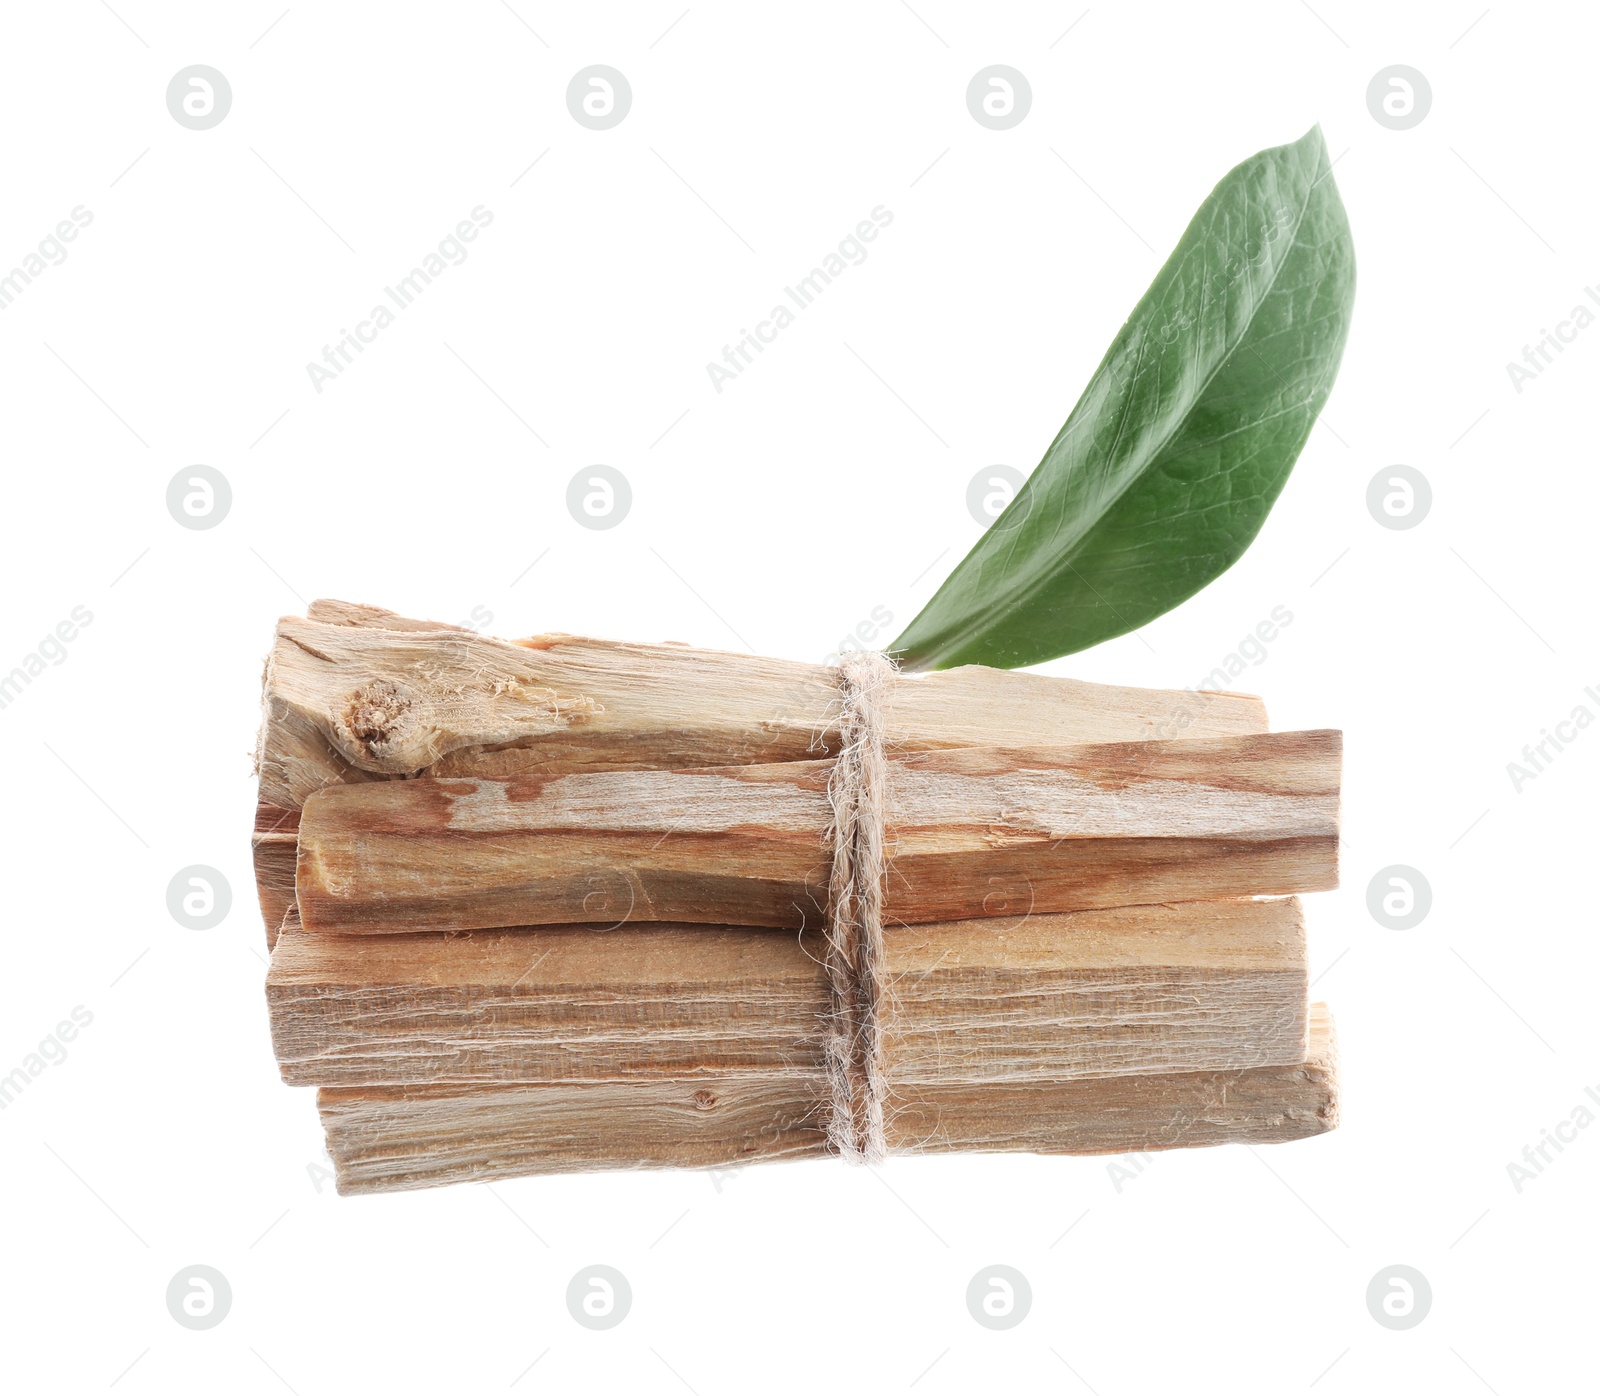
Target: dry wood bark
[(385, 1139), (353, 694), (1098, 993), (974, 832)]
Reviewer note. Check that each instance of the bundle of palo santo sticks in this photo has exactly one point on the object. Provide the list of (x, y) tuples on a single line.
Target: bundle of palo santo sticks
[(559, 904)]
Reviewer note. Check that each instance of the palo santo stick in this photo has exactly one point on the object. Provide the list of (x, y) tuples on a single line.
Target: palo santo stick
[(386, 1139), (356, 694), (549, 1003), (1097, 993), (1129, 1114), (273, 844), (972, 833)]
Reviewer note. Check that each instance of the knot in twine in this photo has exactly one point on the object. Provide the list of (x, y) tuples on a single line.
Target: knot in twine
[(854, 960)]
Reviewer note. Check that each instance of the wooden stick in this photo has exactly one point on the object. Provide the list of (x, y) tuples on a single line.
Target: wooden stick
[(1130, 1114), (1210, 985), (273, 847), (355, 694), (975, 832), (387, 1139)]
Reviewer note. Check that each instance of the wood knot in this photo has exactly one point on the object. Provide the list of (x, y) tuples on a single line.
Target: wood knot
[(704, 1100), (378, 728), (373, 712)]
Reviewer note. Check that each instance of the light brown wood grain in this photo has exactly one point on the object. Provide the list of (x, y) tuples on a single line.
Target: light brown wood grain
[(354, 694), (1096, 993), (1129, 1114), (972, 832), (356, 613), (273, 846), (387, 1139)]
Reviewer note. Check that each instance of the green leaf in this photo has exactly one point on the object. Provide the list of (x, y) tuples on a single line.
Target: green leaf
[(1166, 469)]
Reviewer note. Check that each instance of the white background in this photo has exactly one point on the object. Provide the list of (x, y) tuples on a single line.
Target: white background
[(829, 479)]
